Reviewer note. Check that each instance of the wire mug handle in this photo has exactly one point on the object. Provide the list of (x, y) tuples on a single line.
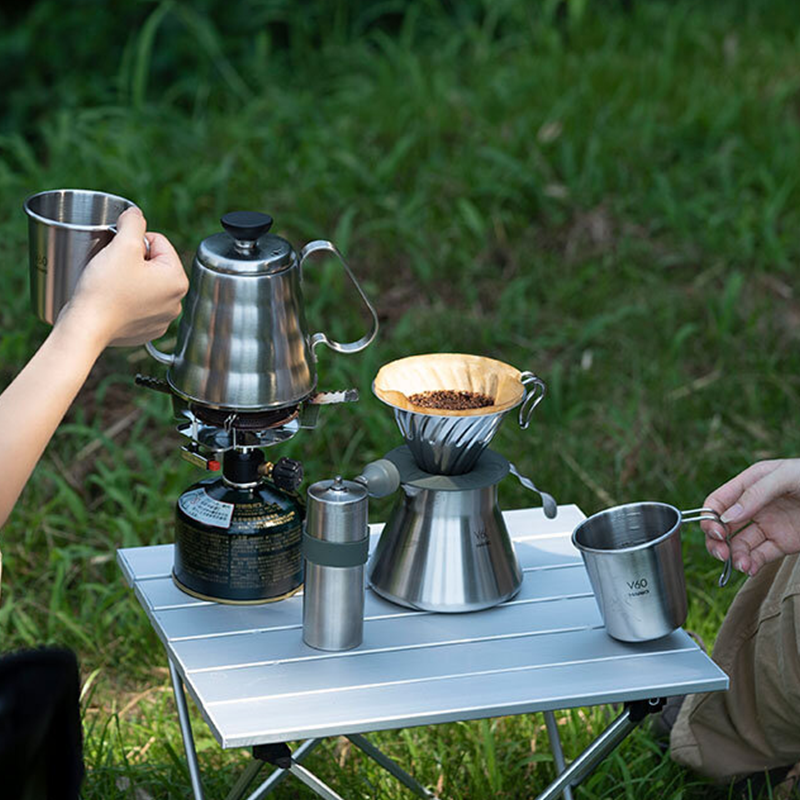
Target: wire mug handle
[(163, 358), (113, 229), (535, 390), (320, 338), (710, 514)]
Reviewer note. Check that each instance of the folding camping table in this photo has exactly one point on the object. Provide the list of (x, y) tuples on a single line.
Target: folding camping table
[(258, 685)]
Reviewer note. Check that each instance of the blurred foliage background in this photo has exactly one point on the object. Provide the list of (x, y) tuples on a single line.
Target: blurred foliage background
[(605, 193)]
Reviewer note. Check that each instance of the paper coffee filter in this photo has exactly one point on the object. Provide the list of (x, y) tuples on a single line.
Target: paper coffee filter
[(398, 380)]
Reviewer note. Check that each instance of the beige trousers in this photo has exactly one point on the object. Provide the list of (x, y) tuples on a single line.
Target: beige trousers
[(756, 724)]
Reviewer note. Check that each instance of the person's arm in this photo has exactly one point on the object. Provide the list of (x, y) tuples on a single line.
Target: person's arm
[(762, 507), (121, 299)]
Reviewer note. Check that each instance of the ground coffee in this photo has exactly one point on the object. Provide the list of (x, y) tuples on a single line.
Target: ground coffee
[(451, 400)]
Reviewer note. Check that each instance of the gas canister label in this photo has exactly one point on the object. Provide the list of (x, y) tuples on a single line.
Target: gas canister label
[(199, 506)]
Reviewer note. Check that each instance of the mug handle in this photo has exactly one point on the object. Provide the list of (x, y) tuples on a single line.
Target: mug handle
[(709, 513), (320, 338), (535, 390), (113, 229), (163, 358)]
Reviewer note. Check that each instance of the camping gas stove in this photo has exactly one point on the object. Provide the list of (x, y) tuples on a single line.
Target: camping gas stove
[(238, 535)]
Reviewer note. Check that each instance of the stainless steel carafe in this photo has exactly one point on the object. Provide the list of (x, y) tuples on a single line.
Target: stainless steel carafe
[(445, 546), (243, 342)]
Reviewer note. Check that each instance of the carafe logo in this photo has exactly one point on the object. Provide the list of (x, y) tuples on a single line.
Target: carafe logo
[(638, 587), (481, 538)]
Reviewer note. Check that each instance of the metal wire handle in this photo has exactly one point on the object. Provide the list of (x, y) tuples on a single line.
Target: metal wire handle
[(710, 514), (549, 503), (535, 390), (320, 338)]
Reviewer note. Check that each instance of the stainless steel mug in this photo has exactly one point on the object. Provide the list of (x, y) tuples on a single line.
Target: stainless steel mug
[(633, 556), (66, 229)]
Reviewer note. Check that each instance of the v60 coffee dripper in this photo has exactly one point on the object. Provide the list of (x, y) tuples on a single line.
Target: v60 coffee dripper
[(243, 377)]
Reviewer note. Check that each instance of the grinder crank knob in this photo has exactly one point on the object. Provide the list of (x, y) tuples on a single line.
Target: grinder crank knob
[(246, 226), (380, 477), (287, 474)]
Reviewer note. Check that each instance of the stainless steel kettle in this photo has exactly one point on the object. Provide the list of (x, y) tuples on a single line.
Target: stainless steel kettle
[(242, 341)]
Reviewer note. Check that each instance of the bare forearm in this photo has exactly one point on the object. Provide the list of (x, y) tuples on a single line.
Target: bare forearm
[(34, 404)]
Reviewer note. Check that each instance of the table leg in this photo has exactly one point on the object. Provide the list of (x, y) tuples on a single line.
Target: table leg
[(312, 781), (245, 779), (601, 747), (555, 746), (391, 766), (186, 730), (279, 774)]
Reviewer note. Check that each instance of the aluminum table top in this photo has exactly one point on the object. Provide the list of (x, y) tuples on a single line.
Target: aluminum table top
[(256, 682)]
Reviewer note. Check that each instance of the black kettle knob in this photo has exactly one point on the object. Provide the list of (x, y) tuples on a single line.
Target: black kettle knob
[(246, 225), (287, 474)]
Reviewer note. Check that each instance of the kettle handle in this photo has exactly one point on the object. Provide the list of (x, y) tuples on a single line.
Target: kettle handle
[(320, 338)]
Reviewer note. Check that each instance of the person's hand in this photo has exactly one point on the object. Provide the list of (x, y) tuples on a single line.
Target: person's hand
[(762, 507), (123, 298)]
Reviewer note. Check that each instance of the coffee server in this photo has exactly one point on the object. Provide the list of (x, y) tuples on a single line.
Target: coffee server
[(445, 546), (243, 377)]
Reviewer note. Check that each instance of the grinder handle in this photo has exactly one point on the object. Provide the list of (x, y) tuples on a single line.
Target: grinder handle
[(320, 338), (380, 477)]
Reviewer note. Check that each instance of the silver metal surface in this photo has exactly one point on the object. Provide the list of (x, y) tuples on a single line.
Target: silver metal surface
[(446, 549), (593, 755), (66, 229), (186, 731), (633, 556), (266, 255), (242, 340), (450, 445), (548, 501), (391, 766), (555, 747), (256, 682), (333, 597), (218, 440)]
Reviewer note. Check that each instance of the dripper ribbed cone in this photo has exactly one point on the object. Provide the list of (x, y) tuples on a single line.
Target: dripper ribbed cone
[(445, 441), (447, 445)]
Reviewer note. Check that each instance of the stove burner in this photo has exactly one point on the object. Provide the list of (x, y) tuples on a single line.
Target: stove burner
[(244, 420)]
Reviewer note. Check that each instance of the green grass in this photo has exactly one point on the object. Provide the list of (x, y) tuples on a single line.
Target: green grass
[(608, 198)]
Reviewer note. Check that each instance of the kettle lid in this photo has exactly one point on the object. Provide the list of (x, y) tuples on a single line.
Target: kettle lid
[(246, 247)]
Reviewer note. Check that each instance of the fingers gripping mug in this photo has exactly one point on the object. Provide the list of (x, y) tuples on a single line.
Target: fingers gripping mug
[(66, 229)]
